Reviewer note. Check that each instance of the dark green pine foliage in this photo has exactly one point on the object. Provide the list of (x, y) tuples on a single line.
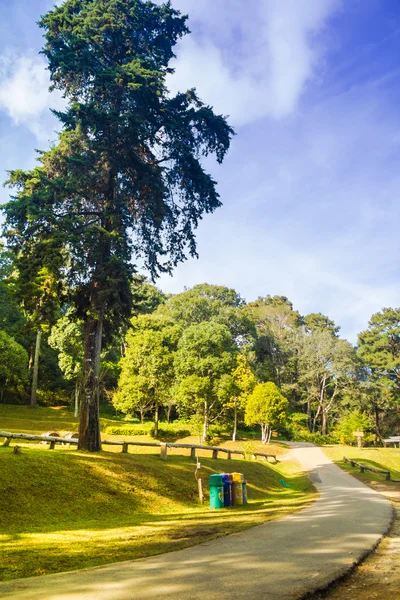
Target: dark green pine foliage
[(125, 181)]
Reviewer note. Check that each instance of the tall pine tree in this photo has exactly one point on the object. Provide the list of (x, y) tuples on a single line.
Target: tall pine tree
[(125, 181)]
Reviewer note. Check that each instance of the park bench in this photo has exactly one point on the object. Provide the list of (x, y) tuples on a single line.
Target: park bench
[(394, 439), (265, 456)]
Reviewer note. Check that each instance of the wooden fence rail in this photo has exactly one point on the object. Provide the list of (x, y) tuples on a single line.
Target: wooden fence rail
[(366, 467), (53, 440)]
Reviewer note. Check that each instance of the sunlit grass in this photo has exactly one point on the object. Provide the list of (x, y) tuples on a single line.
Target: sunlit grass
[(381, 458), (66, 509)]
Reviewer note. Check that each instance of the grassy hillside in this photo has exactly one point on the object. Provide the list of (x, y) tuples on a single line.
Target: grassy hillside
[(381, 458), (38, 420), (66, 509)]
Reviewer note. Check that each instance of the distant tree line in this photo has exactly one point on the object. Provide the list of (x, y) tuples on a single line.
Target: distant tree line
[(207, 354), (125, 184)]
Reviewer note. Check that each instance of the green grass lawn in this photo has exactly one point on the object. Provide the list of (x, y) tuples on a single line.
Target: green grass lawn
[(65, 509), (381, 458), (40, 419)]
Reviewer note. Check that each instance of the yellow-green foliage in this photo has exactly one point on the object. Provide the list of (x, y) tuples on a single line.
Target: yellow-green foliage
[(66, 509)]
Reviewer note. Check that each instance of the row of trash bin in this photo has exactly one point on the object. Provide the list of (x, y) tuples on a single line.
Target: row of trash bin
[(227, 489)]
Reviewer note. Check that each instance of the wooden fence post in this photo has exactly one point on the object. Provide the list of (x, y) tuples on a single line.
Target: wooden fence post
[(52, 445), (7, 442), (124, 447), (193, 453), (229, 455), (215, 454), (164, 450), (200, 485)]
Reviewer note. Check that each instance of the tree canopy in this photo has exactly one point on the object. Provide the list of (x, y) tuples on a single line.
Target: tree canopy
[(267, 407), (125, 180)]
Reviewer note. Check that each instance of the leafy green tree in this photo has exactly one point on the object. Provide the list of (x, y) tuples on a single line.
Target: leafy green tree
[(67, 337), (244, 381), (320, 322), (327, 369), (205, 356), (276, 323), (351, 422), (266, 406), (13, 363), (6, 259), (146, 298), (12, 319), (147, 369), (125, 180), (204, 303), (379, 347), (39, 292)]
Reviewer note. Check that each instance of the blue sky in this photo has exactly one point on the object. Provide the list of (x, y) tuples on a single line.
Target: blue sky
[(311, 186)]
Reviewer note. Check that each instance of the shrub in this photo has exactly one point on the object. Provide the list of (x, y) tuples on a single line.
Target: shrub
[(170, 434), (166, 431), (303, 435), (140, 429), (52, 398), (349, 424)]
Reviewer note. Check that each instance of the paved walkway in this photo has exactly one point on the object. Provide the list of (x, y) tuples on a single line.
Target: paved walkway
[(280, 560)]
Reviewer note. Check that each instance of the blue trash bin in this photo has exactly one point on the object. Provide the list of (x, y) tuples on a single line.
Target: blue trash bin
[(227, 489)]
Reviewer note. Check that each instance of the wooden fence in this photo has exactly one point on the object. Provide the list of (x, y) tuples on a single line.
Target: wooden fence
[(53, 440), (366, 467)]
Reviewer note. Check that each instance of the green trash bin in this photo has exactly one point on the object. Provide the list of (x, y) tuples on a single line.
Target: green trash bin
[(217, 490)]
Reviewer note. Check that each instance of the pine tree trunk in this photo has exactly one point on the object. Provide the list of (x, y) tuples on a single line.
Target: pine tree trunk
[(89, 424), (234, 423), (324, 426), (377, 427), (205, 423), (156, 420), (309, 422), (76, 405), (35, 369), (169, 413)]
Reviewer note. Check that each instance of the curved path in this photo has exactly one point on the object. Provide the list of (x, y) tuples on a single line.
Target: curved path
[(282, 559)]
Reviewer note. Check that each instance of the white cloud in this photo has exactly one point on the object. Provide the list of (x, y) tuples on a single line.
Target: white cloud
[(275, 50), (310, 211), (25, 96)]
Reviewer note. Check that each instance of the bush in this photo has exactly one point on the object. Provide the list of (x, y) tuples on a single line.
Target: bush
[(52, 398), (303, 435), (215, 435), (166, 431), (295, 425), (131, 429), (169, 434), (350, 423)]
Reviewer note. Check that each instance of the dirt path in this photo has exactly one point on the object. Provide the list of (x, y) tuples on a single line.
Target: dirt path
[(378, 577)]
